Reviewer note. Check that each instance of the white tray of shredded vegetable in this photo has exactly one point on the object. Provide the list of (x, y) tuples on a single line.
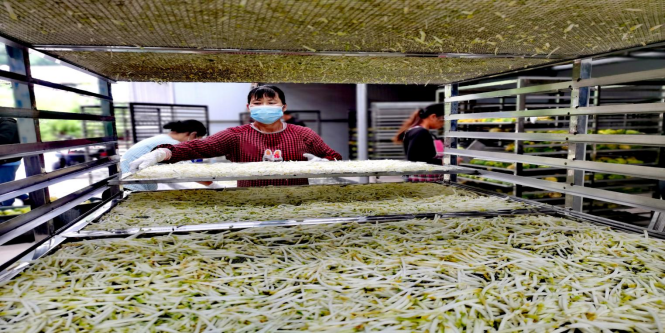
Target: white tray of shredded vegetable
[(521, 274), (188, 172), (195, 207)]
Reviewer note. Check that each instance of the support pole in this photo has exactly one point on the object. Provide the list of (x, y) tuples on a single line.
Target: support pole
[(109, 128), (519, 128), (361, 124), (451, 90), (579, 98)]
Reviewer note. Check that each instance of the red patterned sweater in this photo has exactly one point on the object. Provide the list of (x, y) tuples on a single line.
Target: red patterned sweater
[(247, 144)]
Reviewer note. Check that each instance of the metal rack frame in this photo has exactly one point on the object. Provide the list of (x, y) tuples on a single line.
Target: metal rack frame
[(39, 219), (576, 139)]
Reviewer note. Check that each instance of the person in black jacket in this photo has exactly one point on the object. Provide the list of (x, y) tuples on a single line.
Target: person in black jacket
[(8, 167), (419, 144)]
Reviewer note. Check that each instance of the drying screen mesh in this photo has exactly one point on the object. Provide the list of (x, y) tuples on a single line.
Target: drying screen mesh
[(520, 27), (297, 69)]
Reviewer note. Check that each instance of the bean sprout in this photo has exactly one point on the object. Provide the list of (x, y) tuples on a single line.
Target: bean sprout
[(144, 209), (197, 170), (456, 275)]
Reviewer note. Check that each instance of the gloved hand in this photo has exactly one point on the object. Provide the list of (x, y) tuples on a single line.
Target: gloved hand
[(313, 158), (149, 159)]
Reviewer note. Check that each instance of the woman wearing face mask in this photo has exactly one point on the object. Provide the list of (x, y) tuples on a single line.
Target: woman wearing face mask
[(181, 131), (419, 144), (266, 139)]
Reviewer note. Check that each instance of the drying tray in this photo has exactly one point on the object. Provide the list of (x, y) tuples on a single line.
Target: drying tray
[(125, 180), (74, 232)]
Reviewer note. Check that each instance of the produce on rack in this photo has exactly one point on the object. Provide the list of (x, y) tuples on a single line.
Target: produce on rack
[(619, 160), (488, 120), (218, 170), (12, 211), (191, 207), (521, 274), (489, 180)]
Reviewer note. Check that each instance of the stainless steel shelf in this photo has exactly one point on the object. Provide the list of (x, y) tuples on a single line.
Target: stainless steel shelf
[(160, 230), (601, 151), (484, 182), (485, 124), (484, 167), (126, 181), (543, 169), (545, 153)]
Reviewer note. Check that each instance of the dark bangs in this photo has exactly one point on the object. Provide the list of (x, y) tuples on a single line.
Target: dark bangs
[(266, 91)]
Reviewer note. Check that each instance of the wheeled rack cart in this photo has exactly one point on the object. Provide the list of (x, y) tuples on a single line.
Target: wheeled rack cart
[(532, 267)]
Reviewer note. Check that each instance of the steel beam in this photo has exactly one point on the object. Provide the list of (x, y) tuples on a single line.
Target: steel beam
[(592, 110), (616, 197), (519, 128), (109, 130), (451, 108), (601, 81), (26, 79), (18, 187), (578, 125), (641, 140), (184, 50), (361, 125), (29, 149), (39, 114), (623, 169)]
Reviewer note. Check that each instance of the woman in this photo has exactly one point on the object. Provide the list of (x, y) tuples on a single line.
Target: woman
[(419, 144), (268, 138), (181, 131)]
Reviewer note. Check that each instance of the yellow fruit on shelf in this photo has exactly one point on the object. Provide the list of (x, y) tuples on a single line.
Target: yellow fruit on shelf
[(552, 179)]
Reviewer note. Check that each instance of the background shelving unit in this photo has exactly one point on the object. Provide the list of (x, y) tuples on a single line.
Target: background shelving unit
[(385, 119), (612, 124)]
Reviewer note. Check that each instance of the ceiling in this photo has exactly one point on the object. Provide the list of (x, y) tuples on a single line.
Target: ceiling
[(413, 41)]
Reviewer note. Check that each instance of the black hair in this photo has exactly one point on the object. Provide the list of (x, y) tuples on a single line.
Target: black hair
[(187, 126), (267, 91), (417, 117), (431, 109)]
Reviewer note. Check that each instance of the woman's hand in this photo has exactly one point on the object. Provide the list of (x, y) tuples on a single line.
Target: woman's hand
[(149, 159), (313, 158)]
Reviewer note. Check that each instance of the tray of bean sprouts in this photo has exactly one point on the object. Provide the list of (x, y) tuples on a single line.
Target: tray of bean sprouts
[(208, 207), (527, 273), (191, 172)]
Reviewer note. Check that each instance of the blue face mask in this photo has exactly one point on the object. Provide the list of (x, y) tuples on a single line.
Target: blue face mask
[(266, 114)]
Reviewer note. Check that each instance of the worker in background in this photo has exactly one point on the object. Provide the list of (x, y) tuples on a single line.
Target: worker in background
[(289, 118), (181, 131), (267, 135), (420, 145), (8, 167)]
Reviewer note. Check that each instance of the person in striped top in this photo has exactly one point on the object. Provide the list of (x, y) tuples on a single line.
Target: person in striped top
[(181, 131), (250, 143)]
